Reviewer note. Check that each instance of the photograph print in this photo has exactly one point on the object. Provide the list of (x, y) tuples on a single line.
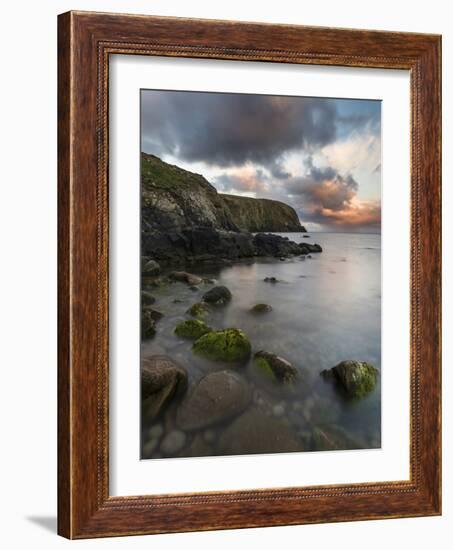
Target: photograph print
[(260, 274)]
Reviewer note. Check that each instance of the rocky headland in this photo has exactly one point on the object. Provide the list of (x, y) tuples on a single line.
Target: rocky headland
[(186, 221)]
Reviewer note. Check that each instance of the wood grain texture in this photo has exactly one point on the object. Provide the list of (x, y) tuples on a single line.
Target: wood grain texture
[(86, 40)]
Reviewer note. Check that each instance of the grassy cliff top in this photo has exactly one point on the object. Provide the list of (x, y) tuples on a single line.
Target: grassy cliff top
[(157, 174)]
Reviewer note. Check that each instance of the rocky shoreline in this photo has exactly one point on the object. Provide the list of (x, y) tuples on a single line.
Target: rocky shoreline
[(223, 412)]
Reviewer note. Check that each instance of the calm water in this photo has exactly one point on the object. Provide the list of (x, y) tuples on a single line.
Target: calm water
[(325, 309)]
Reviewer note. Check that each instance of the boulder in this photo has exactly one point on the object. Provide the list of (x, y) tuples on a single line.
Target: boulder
[(161, 380), (150, 268), (217, 296), (230, 345), (147, 298), (261, 308), (173, 442), (219, 396), (149, 319), (198, 310), (255, 432), (192, 329), (276, 367), (357, 378)]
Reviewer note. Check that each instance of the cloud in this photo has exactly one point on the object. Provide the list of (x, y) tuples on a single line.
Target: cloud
[(233, 129), (327, 197), (242, 181)]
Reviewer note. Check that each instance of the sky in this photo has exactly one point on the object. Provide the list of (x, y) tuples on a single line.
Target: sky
[(322, 156)]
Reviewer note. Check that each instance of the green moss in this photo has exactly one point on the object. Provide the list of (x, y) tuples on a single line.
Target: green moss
[(230, 345), (261, 308), (264, 367), (192, 329), (363, 379), (198, 310)]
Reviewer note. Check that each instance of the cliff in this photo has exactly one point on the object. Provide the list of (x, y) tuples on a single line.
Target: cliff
[(262, 215), (175, 199)]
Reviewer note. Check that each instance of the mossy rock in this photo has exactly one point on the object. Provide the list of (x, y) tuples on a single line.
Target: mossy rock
[(276, 367), (200, 309), (357, 378), (261, 308), (230, 345), (192, 329)]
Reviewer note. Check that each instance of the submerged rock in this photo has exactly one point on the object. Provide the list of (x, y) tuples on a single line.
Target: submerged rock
[(173, 442), (150, 268), (147, 298), (192, 329), (306, 248), (230, 345), (334, 438), (255, 432), (161, 379), (184, 277), (198, 310), (218, 296), (357, 378), (218, 396), (276, 367), (148, 322), (261, 308)]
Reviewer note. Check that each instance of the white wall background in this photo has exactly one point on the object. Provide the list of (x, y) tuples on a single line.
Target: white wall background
[(28, 216)]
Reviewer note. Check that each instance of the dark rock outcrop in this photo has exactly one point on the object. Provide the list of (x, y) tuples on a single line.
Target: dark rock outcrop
[(185, 220), (217, 296)]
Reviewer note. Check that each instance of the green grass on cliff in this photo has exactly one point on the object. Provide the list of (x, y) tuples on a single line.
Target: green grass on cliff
[(157, 174)]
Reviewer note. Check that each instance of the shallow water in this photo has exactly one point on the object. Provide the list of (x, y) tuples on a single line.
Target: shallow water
[(326, 309)]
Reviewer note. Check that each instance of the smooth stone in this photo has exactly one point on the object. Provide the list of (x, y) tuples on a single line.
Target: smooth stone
[(150, 268), (210, 436), (254, 432), (218, 396), (156, 431), (149, 447), (173, 442), (261, 308), (278, 410)]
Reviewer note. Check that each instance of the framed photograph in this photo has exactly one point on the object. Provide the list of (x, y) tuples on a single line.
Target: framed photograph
[(249, 275)]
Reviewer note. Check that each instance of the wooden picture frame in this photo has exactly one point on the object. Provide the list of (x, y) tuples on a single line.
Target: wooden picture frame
[(85, 42)]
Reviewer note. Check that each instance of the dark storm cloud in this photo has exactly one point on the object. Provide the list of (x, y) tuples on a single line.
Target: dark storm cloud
[(231, 129)]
